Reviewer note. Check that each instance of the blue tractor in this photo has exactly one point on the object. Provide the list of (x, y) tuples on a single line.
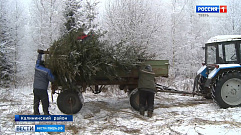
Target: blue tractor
[(220, 76)]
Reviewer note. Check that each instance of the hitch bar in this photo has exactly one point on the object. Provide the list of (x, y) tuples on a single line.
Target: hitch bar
[(161, 88)]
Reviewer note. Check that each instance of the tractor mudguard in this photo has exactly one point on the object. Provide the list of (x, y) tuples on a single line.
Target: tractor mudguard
[(222, 68), (213, 73), (203, 71)]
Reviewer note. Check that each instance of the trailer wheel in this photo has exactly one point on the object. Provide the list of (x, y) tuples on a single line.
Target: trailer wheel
[(69, 102), (134, 99), (228, 90)]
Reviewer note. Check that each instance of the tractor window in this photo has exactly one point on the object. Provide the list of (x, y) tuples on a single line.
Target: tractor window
[(211, 55), (220, 52), (240, 53), (230, 53)]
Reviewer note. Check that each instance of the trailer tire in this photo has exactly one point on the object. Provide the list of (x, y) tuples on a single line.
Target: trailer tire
[(227, 92), (69, 102), (134, 99), (132, 87)]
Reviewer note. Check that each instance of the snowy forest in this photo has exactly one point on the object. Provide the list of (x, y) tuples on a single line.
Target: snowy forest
[(158, 29), (168, 29)]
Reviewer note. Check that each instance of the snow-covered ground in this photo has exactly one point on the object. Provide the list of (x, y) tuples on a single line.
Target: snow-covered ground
[(110, 113)]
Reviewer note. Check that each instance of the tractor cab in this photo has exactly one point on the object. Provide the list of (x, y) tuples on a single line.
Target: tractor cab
[(223, 50), (220, 76)]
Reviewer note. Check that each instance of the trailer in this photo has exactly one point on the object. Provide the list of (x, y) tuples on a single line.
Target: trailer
[(70, 101)]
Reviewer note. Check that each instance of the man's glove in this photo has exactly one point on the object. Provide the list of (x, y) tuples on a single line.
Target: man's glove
[(53, 87), (40, 51)]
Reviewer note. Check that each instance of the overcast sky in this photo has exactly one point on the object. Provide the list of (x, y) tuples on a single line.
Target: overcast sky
[(212, 2), (200, 2)]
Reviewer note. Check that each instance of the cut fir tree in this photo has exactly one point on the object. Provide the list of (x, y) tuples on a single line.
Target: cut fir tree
[(86, 60)]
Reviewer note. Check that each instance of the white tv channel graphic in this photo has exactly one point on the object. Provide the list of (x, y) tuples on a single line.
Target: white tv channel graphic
[(39, 128), (211, 10), (24, 128)]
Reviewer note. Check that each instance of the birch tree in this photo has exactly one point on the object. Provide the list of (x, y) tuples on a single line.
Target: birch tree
[(189, 33), (134, 23), (5, 47), (47, 20), (14, 27), (230, 25)]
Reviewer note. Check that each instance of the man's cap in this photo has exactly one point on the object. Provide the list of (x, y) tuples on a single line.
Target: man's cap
[(148, 68)]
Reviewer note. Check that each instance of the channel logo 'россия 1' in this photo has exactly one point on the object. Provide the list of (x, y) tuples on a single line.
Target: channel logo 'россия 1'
[(212, 10)]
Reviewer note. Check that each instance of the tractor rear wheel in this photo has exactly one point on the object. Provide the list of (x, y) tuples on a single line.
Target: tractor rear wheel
[(69, 102), (227, 92)]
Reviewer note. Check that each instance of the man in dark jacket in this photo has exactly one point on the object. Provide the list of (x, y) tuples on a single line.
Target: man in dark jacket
[(42, 77), (147, 90)]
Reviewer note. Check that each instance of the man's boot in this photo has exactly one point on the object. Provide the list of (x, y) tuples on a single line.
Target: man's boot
[(142, 111), (149, 114), (47, 113), (36, 111), (46, 108)]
